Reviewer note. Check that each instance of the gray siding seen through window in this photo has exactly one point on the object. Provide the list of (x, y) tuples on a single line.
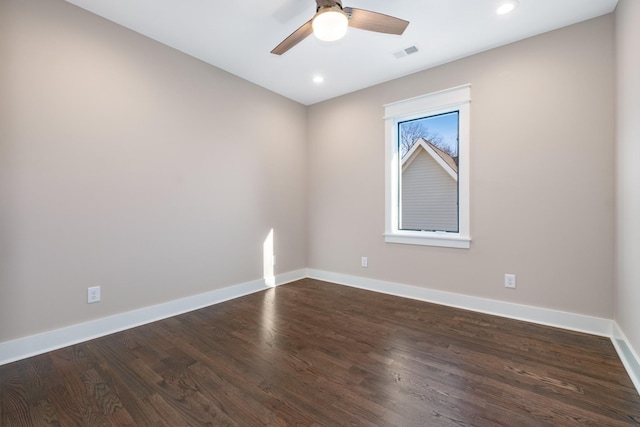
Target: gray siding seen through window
[(429, 194)]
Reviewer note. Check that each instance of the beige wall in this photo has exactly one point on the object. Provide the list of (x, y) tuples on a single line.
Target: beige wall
[(542, 178), (126, 164), (628, 172)]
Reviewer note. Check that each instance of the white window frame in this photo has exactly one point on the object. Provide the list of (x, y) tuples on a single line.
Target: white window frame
[(449, 100)]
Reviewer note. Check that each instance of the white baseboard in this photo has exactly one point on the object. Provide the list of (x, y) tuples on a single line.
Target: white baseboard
[(560, 319), (628, 356), (22, 348), (291, 276)]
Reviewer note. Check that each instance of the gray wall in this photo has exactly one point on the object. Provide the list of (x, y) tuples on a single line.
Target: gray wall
[(628, 173), (127, 164), (542, 176)]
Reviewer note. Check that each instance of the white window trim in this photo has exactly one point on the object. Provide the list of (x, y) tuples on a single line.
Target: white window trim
[(457, 98)]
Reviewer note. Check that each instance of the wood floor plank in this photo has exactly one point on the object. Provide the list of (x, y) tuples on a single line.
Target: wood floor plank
[(15, 407), (312, 353), (72, 363)]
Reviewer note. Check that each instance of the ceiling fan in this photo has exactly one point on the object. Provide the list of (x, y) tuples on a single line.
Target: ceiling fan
[(331, 21)]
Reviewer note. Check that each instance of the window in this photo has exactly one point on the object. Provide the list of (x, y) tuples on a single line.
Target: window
[(427, 169)]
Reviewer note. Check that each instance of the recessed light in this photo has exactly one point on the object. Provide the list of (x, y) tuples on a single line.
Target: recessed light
[(318, 79), (507, 7)]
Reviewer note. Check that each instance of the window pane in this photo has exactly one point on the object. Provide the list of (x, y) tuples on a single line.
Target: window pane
[(428, 149)]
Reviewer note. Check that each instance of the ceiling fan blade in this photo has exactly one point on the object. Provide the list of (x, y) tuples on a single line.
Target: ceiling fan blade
[(296, 37), (374, 21)]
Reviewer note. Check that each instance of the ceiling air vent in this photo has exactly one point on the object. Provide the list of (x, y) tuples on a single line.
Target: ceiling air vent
[(406, 51)]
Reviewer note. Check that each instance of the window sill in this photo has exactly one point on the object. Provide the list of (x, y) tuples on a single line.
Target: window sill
[(428, 239)]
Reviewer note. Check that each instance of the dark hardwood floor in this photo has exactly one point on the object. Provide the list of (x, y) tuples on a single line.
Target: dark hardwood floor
[(314, 353)]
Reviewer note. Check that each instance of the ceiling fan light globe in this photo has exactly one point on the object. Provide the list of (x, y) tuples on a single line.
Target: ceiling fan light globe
[(330, 25)]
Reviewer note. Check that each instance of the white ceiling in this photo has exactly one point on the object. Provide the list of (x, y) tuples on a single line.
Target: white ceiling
[(237, 36)]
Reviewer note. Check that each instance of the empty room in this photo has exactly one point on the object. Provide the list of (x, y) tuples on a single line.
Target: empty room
[(299, 212)]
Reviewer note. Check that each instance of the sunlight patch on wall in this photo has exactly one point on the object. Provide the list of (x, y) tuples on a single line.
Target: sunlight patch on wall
[(268, 260)]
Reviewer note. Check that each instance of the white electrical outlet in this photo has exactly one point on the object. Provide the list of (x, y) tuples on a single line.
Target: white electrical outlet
[(510, 281), (93, 294), (364, 262)]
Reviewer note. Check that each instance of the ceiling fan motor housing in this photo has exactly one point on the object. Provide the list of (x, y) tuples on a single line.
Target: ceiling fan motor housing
[(328, 4)]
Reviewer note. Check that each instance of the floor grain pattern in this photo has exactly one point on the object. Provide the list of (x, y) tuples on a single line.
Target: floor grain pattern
[(312, 353)]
